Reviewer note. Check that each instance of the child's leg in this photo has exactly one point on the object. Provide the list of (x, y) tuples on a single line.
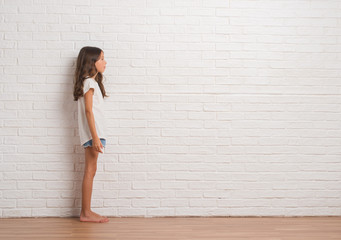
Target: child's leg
[(89, 174), (90, 168)]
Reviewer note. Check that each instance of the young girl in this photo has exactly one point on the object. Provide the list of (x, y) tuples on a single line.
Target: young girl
[(89, 92)]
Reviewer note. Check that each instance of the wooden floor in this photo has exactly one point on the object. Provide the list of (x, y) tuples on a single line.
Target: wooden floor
[(263, 228)]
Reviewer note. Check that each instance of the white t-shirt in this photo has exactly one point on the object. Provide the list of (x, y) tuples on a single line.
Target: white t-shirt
[(97, 109)]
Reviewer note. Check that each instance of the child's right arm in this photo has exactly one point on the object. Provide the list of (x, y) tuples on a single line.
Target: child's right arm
[(96, 143)]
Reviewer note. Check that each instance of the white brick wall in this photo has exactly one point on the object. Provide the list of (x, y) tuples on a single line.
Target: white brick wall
[(216, 107)]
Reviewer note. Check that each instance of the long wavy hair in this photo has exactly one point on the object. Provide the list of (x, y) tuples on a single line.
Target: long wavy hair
[(86, 60)]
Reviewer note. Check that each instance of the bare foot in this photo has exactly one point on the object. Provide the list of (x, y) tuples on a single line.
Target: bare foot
[(93, 217), (106, 219)]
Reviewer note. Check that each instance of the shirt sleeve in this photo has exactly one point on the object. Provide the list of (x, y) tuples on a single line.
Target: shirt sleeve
[(89, 83)]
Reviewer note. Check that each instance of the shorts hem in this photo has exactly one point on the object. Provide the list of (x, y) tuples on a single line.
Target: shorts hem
[(89, 143)]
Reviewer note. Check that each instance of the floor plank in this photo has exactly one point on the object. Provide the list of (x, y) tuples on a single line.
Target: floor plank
[(262, 228)]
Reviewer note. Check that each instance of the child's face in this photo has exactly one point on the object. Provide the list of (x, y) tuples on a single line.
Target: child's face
[(100, 63)]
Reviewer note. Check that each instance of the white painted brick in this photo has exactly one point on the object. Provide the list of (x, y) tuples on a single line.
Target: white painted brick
[(160, 194), (67, 203), (39, 175), (33, 149), (32, 132), (78, 2), (46, 36), (160, 212), (137, 212), (201, 12), (15, 194), (31, 44), (22, 36), (61, 9), (202, 203), (29, 203), (162, 20), (30, 185), (18, 105), (173, 11), (8, 9), (31, 9), (74, 36), (47, 140), (61, 166), (17, 123), (7, 115), (131, 3), (46, 212), (45, 194), (29, 27), (132, 194), (7, 203), (131, 37), (145, 203), (17, 212), (155, 3), (7, 168), (133, 20), (181, 202), (59, 185)]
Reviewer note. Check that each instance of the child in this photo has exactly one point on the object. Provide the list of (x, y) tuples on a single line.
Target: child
[(89, 92)]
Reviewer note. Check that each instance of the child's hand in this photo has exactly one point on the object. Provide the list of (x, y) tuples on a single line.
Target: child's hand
[(97, 145)]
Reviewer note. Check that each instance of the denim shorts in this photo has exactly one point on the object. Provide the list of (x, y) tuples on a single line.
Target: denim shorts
[(89, 143)]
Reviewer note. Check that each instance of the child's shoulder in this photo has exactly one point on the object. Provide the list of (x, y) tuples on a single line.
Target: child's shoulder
[(90, 79)]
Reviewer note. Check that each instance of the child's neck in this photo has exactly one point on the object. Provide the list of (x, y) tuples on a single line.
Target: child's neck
[(94, 75)]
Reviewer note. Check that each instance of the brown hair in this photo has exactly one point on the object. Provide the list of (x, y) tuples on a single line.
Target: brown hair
[(86, 60)]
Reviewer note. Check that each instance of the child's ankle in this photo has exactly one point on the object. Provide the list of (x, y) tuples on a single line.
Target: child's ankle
[(85, 212)]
